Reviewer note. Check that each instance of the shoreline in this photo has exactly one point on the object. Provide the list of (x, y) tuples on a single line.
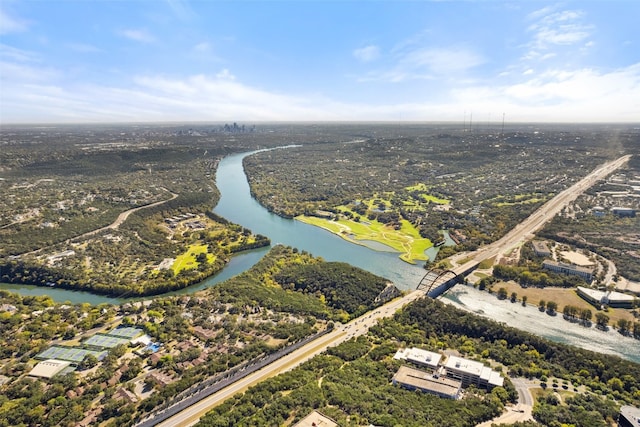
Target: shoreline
[(531, 320), (402, 255)]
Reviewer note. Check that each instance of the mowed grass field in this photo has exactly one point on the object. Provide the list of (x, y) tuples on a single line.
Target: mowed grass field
[(187, 260), (407, 240), (562, 297)]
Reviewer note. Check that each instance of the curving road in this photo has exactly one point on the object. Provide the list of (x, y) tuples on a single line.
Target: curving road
[(522, 411), (124, 215), (356, 327), (114, 225)]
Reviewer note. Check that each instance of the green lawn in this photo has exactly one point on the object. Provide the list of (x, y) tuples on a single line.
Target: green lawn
[(407, 240), (187, 260), (425, 196)]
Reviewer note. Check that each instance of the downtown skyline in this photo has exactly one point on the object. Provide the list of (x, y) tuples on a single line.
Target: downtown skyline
[(143, 61)]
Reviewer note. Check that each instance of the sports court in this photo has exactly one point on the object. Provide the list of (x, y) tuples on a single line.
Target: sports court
[(127, 332), (70, 354), (102, 341)]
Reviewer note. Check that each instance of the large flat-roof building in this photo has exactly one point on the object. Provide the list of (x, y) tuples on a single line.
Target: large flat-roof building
[(570, 269), (49, 368), (415, 379), (419, 357), (629, 416), (540, 248), (610, 298), (472, 372)]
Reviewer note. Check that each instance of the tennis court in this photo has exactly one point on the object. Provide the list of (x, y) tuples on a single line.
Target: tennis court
[(70, 354), (104, 341), (128, 332)]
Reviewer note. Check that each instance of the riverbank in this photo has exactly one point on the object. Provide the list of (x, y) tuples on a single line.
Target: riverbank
[(406, 241), (532, 320)]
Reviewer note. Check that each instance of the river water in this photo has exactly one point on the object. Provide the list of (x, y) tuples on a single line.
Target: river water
[(237, 205)]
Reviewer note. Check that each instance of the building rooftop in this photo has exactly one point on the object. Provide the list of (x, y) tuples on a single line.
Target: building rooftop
[(48, 368), (540, 246), (620, 208), (631, 414), (419, 356), (567, 266), (464, 365), (593, 294), (619, 296), (426, 381), (605, 297), (316, 419), (496, 379), (476, 369)]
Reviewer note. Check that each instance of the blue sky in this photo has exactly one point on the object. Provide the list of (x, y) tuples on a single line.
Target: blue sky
[(178, 60)]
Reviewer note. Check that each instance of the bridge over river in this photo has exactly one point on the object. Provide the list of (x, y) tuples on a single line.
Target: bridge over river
[(433, 283), (438, 281)]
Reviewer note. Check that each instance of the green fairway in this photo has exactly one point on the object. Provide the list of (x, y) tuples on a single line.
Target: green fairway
[(187, 260), (425, 196), (407, 240)]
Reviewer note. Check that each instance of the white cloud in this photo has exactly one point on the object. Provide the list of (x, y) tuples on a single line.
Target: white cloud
[(9, 24), (552, 29), (139, 35), (367, 53), (159, 98), (225, 75), (14, 54), (10, 71), (33, 93), (204, 47), (427, 64), (204, 51), (442, 61), (182, 9), (22, 65), (542, 12), (581, 95)]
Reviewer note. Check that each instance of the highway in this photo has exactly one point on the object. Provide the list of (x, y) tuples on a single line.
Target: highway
[(526, 229), (361, 325)]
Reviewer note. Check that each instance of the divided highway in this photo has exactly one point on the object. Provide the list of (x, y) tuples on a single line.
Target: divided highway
[(522, 232)]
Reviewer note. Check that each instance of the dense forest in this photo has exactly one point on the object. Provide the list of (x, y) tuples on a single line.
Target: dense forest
[(536, 276), (292, 280), (247, 316), (121, 260), (352, 382), (491, 181), (342, 286)]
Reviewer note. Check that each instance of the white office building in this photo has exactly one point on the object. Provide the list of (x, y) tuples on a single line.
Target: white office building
[(472, 372)]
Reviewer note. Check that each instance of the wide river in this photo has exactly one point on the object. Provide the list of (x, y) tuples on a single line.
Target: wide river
[(237, 205)]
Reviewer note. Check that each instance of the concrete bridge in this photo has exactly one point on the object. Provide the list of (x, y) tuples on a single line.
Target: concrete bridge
[(436, 282)]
